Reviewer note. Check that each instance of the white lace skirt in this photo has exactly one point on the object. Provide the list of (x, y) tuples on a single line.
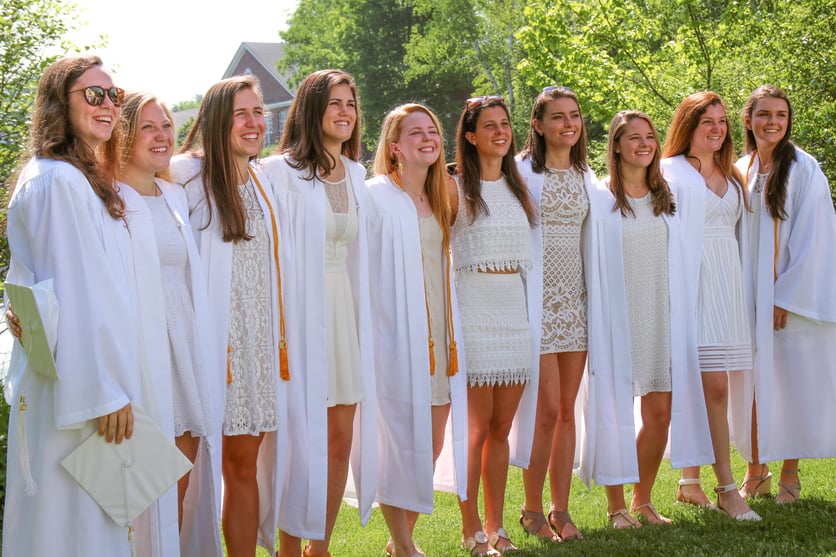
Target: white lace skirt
[(497, 339)]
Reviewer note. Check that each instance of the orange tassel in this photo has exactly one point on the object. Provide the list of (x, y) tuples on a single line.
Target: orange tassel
[(432, 357), (453, 364), (228, 365), (284, 367)]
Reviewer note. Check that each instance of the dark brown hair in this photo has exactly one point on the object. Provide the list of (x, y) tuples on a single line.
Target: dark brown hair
[(782, 157), (211, 132), (467, 163), (535, 144), (302, 138), (52, 135)]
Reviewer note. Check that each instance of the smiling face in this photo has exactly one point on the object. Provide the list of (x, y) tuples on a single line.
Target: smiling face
[(710, 132), (492, 137), (248, 124), (561, 123), (339, 118), (152, 146), (769, 121), (637, 144), (92, 124), (419, 143)]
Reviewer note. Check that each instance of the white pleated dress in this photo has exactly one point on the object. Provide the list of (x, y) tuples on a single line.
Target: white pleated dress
[(724, 337)]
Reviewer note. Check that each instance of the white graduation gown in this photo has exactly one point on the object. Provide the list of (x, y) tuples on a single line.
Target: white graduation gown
[(396, 279), (216, 260), (608, 445), (522, 438), (794, 381), (303, 210), (200, 534), (58, 228)]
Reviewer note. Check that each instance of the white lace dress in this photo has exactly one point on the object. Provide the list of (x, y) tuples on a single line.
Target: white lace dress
[(645, 251), (563, 208), (345, 376), (494, 318), (251, 402), (179, 315), (724, 335)]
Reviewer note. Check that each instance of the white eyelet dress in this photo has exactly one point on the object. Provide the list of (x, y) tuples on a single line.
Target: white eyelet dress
[(492, 305)]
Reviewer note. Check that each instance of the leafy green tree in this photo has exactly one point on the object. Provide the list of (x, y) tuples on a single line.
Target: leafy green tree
[(183, 131), (188, 105)]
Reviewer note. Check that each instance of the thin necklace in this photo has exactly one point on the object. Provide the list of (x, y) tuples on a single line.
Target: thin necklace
[(397, 180)]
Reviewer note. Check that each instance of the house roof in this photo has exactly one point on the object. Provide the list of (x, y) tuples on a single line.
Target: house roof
[(267, 54)]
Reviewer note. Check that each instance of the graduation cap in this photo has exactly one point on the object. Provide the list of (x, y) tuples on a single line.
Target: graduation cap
[(126, 478)]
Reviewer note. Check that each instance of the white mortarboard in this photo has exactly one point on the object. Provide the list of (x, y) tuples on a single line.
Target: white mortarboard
[(125, 479)]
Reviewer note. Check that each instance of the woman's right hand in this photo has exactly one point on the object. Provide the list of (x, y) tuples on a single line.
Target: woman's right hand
[(117, 425)]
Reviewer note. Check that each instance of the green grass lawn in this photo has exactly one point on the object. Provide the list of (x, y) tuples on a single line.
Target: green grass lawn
[(805, 528)]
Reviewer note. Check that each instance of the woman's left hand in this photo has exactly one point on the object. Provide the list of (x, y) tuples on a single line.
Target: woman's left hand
[(779, 318), (14, 323)]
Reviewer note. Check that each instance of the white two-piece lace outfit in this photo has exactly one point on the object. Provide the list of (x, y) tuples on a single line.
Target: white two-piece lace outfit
[(492, 305)]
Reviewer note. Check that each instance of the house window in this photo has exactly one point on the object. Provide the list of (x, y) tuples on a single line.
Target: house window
[(282, 120), (269, 133)]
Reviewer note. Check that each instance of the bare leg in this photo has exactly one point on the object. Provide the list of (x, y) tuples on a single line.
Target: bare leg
[(240, 505), (480, 401), (650, 447), (789, 488), (548, 403), (188, 446), (340, 434), (716, 390), (495, 456), (617, 514), (289, 546), (562, 457), (439, 424)]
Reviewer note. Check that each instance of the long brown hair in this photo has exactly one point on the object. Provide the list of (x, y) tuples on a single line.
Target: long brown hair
[(209, 136), (437, 178), (782, 157), (685, 120), (467, 163), (535, 144), (135, 101), (52, 135), (660, 193), (302, 138)]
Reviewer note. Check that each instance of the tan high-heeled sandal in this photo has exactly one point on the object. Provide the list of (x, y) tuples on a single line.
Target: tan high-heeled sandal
[(749, 515), (622, 520), (681, 498), (788, 493), (649, 514), (532, 523), (762, 485)]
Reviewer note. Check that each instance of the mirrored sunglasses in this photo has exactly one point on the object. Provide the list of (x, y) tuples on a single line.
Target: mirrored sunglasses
[(473, 102), (95, 95)]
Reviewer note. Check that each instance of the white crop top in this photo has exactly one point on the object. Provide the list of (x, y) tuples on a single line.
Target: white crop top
[(497, 241)]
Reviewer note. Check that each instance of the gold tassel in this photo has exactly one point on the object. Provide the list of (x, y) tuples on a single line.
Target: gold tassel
[(284, 367), (228, 364), (453, 364), (432, 357)]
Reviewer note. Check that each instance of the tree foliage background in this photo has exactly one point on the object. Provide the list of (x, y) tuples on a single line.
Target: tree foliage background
[(617, 54)]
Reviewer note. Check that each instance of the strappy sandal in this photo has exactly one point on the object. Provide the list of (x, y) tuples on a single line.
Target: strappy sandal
[(532, 523), (639, 512), (749, 515), (622, 520), (559, 520), (478, 538), (682, 498), (788, 493), (762, 485), (502, 535)]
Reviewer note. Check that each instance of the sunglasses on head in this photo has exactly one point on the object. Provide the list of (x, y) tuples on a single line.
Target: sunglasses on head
[(476, 101), (559, 88), (95, 95)]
